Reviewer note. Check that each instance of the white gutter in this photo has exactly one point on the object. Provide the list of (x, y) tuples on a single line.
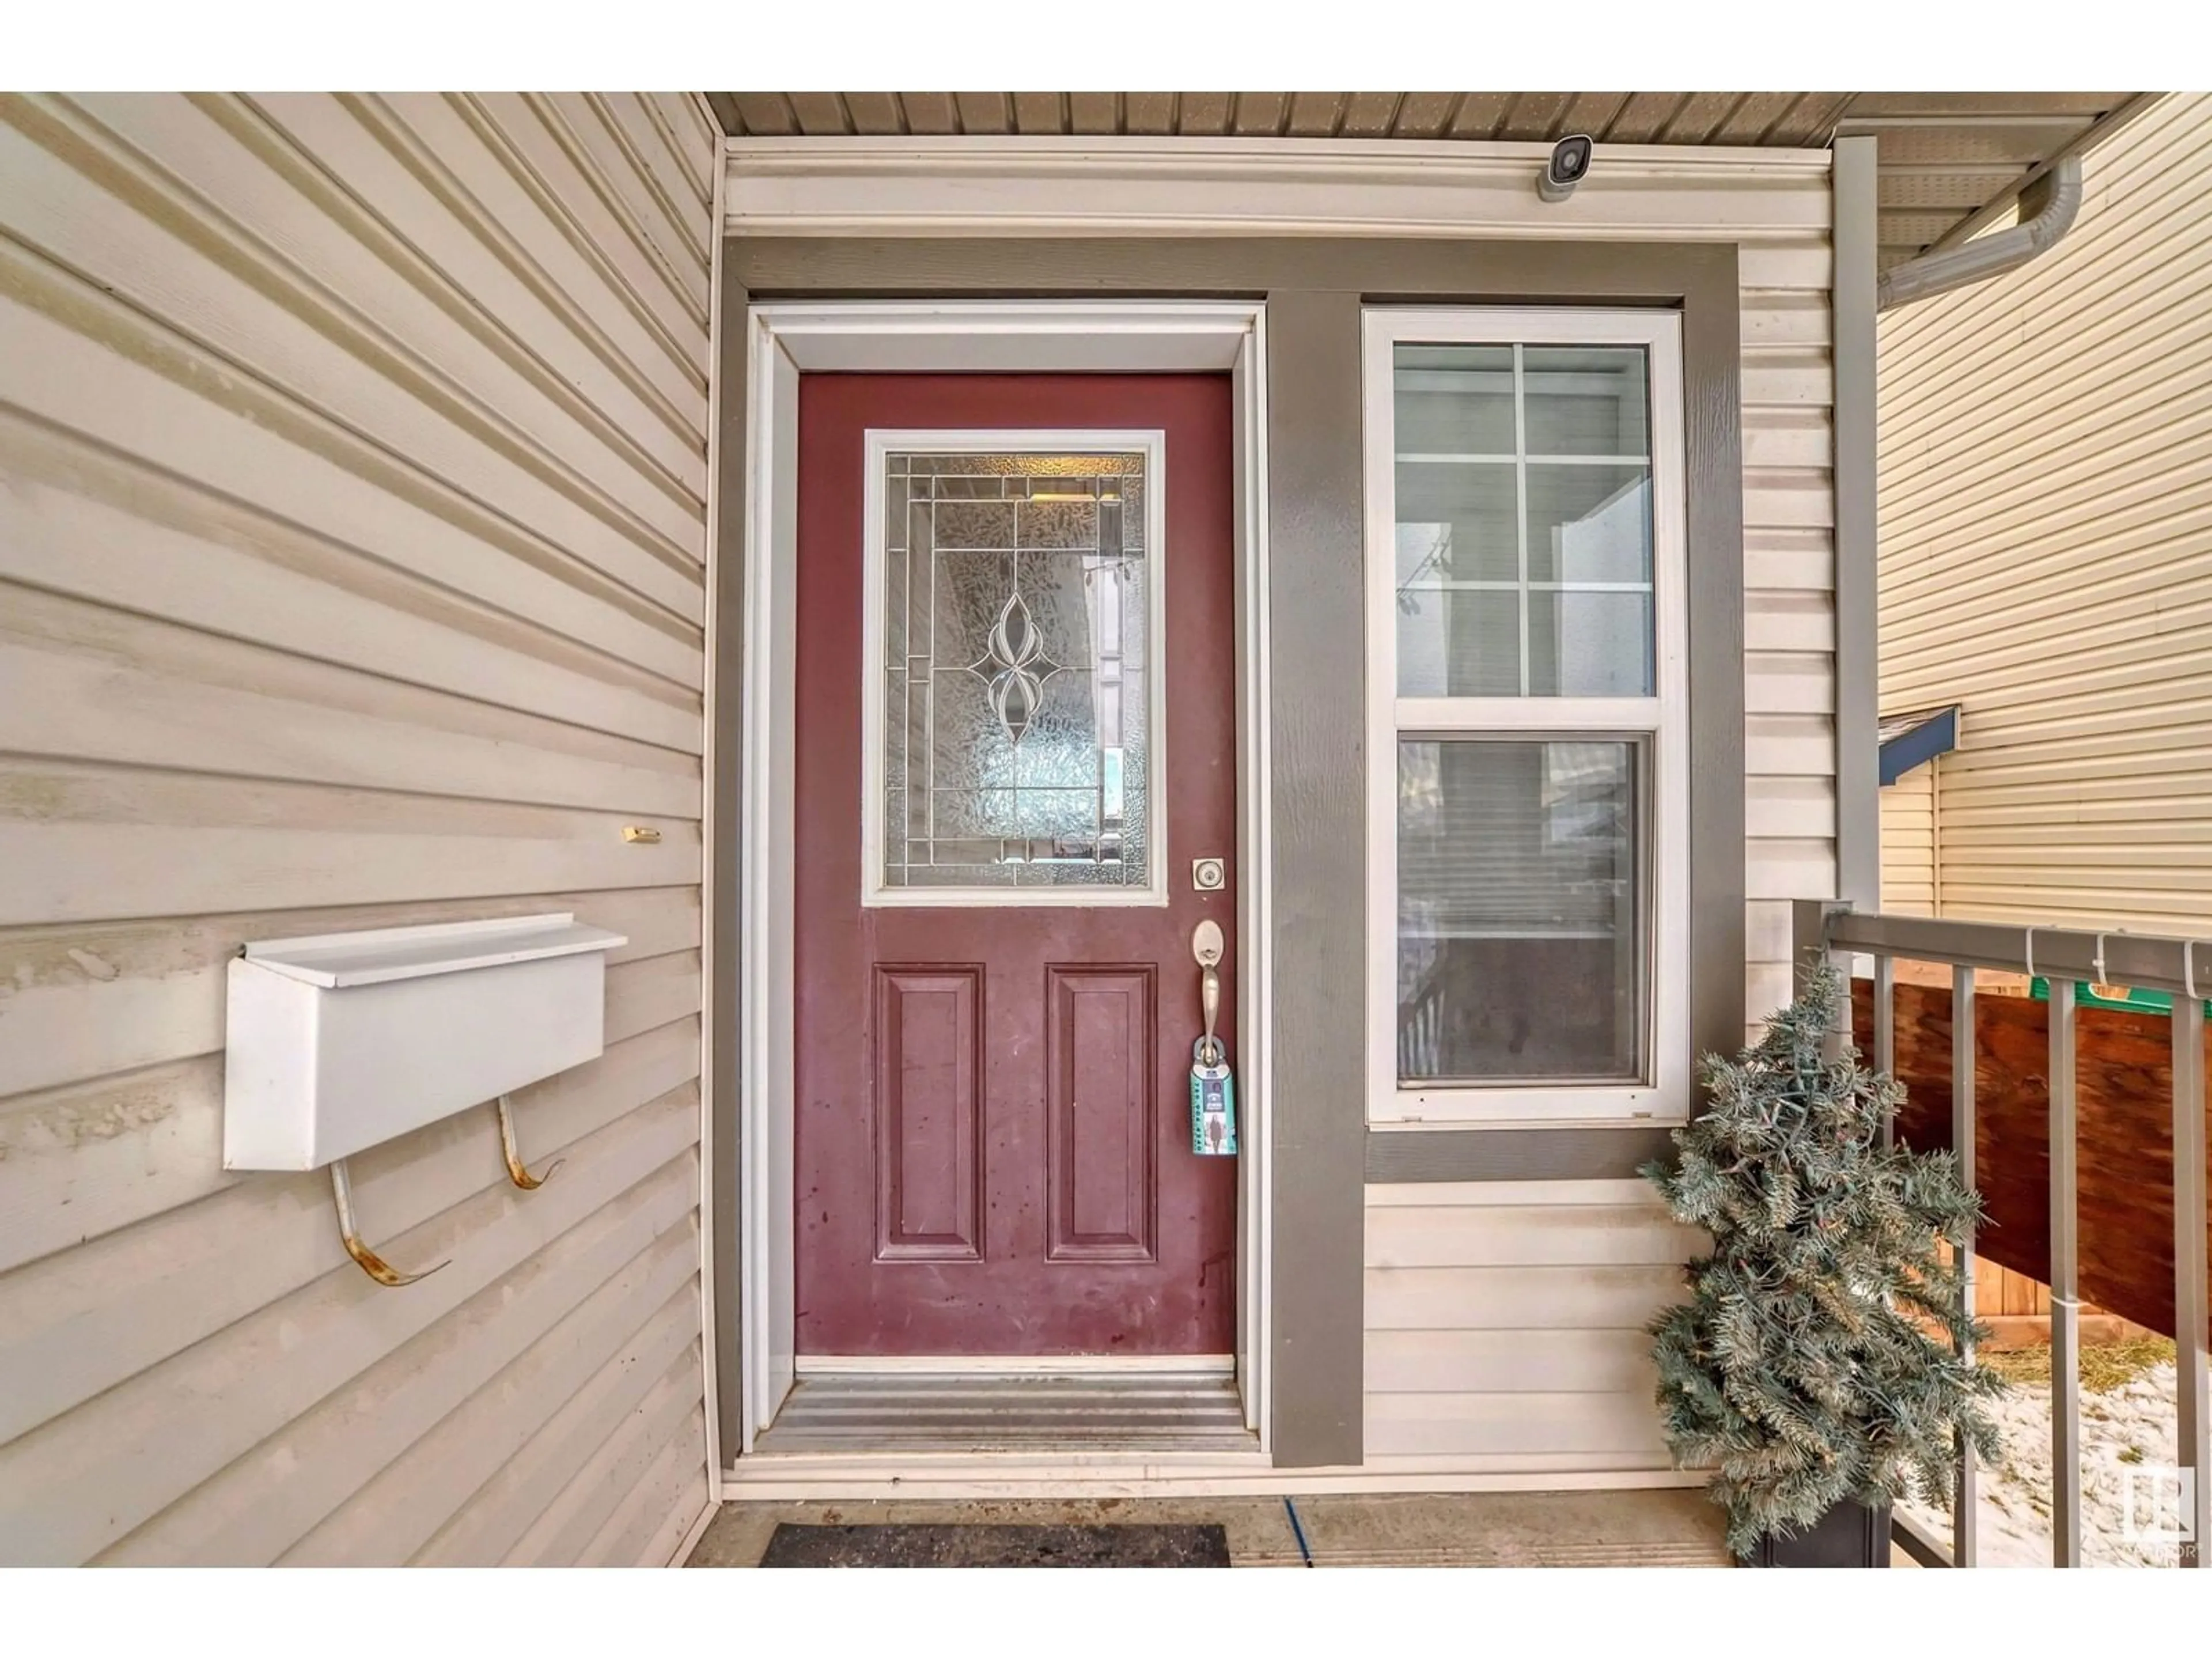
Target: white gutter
[(1985, 257)]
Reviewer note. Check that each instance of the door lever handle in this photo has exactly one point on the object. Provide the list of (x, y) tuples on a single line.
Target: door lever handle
[(1205, 948)]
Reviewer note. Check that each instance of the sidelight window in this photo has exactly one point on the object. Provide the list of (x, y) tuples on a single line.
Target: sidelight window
[(1528, 712)]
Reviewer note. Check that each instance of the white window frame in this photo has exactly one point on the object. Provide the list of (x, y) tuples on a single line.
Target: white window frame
[(882, 443), (1659, 722)]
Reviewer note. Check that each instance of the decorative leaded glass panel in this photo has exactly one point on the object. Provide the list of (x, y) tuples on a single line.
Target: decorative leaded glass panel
[(1016, 594)]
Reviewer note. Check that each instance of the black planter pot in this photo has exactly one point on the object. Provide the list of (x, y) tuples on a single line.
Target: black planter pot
[(1847, 1535)]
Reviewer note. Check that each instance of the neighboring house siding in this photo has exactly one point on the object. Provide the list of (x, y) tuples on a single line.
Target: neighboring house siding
[(2046, 550), (1908, 842), (352, 482), (1505, 1325)]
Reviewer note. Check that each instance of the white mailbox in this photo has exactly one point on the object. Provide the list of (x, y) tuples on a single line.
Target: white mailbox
[(342, 1041)]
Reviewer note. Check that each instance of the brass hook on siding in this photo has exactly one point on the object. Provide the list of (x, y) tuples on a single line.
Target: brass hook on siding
[(371, 1263), (516, 1171)]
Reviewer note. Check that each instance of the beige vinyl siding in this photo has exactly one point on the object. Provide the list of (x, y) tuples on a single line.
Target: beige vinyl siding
[(2046, 550), (1789, 602), (352, 525), (1505, 1324), (1908, 842)]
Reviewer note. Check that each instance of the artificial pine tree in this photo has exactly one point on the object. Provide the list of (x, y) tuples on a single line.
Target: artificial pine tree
[(1797, 1369)]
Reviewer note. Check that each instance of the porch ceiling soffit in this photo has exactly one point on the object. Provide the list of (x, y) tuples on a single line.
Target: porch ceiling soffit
[(1950, 162)]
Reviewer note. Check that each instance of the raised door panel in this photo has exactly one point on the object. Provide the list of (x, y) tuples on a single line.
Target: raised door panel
[(1103, 1201), (927, 1120)]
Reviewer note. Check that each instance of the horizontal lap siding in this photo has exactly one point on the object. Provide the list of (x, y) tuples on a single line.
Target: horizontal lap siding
[(353, 470), (1505, 1322), (1908, 842), (2046, 551), (1789, 612)]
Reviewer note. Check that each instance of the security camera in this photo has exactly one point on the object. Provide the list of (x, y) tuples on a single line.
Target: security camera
[(1570, 160)]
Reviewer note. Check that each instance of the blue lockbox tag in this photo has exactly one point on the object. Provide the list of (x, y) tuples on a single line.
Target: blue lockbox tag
[(1212, 1103)]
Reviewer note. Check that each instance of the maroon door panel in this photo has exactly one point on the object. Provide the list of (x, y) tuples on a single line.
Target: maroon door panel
[(993, 1110)]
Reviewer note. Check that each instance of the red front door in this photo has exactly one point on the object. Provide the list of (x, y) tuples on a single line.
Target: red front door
[(1004, 696)]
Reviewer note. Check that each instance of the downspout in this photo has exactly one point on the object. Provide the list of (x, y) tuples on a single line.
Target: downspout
[(2052, 201)]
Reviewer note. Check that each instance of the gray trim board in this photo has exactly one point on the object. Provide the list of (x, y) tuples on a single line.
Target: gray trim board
[(1858, 808), (1323, 1154), (1712, 398), (1318, 815), (1378, 268), (725, 792), (1597, 1153)]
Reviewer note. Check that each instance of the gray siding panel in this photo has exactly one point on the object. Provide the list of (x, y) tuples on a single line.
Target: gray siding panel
[(1713, 380), (352, 538)]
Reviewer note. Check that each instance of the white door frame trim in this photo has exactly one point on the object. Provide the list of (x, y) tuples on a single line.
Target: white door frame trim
[(783, 340)]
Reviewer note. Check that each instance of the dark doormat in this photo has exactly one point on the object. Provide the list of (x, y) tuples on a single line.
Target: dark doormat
[(1132, 1546)]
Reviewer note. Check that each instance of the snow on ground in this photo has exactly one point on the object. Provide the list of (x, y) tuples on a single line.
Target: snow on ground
[(2127, 1439)]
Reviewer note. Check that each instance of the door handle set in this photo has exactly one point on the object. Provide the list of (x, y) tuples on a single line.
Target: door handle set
[(1212, 1088), (1206, 949)]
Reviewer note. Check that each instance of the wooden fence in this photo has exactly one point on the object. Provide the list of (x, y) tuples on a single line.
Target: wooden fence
[(2017, 1310), (2125, 1145)]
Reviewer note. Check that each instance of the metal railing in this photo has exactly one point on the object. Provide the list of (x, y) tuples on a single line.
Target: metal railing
[(2065, 957)]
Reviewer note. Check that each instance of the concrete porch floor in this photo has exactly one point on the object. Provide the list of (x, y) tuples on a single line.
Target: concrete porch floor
[(1663, 1528)]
